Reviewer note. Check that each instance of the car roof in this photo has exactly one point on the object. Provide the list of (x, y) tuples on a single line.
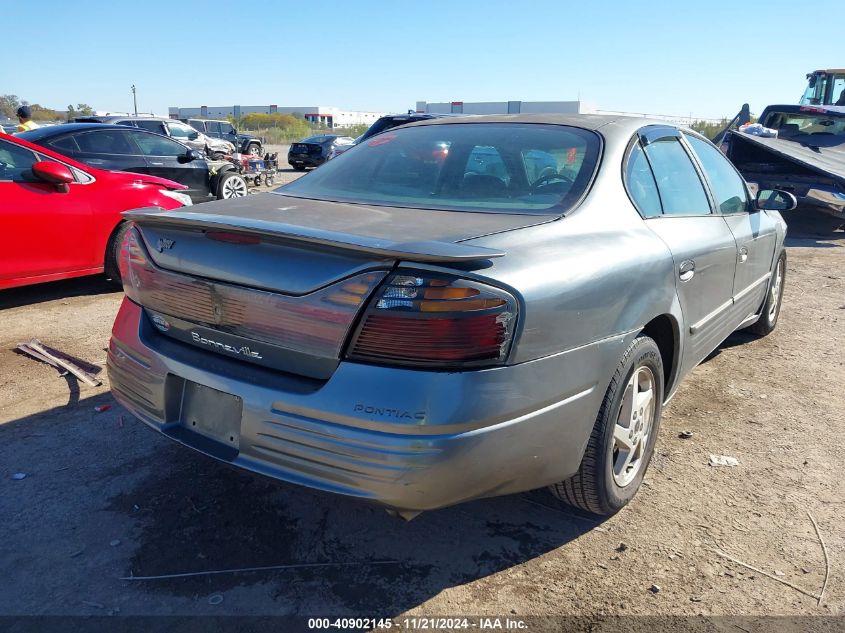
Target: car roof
[(66, 128), (612, 123)]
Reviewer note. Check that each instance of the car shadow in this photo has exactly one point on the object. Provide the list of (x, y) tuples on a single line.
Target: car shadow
[(192, 514), (810, 228), (54, 290)]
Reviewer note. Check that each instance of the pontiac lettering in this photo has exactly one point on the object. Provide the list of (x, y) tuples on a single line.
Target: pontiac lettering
[(388, 412)]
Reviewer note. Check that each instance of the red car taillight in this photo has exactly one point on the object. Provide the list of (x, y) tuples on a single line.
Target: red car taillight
[(432, 319)]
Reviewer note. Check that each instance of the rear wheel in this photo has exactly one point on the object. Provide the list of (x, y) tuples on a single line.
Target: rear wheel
[(217, 155), (299, 167), (771, 308), (622, 441), (231, 185), (111, 259), (254, 150)]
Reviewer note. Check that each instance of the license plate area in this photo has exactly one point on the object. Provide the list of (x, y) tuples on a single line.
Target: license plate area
[(211, 413)]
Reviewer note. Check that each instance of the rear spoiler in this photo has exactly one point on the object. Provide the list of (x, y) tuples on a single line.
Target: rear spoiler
[(421, 251)]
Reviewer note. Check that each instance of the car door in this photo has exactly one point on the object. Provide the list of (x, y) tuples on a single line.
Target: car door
[(44, 231), (667, 188), (168, 159), (107, 148), (755, 231)]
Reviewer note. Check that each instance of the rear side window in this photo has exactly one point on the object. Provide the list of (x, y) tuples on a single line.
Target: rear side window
[(152, 126), (727, 186), (65, 145), (639, 181), (105, 142), (681, 191), (200, 126)]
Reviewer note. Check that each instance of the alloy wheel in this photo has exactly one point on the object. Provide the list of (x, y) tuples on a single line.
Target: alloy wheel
[(632, 431)]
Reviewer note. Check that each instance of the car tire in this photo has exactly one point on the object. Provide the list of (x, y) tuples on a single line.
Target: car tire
[(231, 185), (217, 155), (254, 150), (111, 260), (299, 167), (609, 475), (774, 297)]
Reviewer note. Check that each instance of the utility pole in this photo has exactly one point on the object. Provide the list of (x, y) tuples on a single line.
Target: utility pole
[(135, 99)]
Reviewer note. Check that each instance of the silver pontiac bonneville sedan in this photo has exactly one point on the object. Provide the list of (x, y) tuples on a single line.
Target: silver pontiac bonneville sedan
[(454, 309)]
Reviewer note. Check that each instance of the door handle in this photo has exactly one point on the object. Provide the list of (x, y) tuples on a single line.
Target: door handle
[(743, 255), (156, 164), (686, 270)]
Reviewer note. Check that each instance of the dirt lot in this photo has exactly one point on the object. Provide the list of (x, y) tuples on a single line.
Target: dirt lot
[(105, 498)]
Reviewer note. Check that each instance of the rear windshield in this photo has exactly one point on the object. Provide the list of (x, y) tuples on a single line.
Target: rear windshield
[(387, 123), (507, 167), (802, 123)]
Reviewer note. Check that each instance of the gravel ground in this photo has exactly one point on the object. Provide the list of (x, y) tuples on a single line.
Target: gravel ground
[(104, 498)]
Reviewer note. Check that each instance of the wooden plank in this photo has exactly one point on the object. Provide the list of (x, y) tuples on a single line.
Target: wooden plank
[(84, 376)]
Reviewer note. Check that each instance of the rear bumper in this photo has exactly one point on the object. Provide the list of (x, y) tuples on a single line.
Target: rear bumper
[(409, 440), (306, 160)]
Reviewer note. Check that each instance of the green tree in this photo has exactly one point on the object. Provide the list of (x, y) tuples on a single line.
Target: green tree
[(84, 109), (9, 105)]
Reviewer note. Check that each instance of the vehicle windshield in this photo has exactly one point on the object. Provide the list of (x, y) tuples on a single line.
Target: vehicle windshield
[(318, 139), (494, 167), (806, 122)]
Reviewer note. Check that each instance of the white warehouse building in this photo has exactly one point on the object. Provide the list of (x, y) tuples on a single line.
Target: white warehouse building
[(318, 115), (505, 107)]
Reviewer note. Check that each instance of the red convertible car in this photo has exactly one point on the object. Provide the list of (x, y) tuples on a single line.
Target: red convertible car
[(60, 218)]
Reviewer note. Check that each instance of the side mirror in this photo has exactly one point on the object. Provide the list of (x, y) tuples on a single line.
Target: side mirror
[(775, 200), (190, 156), (54, 173)]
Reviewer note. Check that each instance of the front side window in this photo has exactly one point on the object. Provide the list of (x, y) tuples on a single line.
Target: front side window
[(183, 132), (727, 186), (639, 180), (16, 163), (681, 191), (226, 128), (154, 145), (462, 166)]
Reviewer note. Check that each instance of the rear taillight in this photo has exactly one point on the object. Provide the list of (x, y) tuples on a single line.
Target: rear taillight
[(132, 256), (432, 319)]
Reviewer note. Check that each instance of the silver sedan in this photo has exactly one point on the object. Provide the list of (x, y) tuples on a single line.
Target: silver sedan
[(459, 308)]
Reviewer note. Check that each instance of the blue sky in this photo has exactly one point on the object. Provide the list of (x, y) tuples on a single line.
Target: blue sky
[(653, 56)]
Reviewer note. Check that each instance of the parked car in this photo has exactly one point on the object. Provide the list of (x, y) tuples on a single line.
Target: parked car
[(214, 148), (137, 150), (314, 150), (244, 143), (412, 332), (61, 218), (387, 122)]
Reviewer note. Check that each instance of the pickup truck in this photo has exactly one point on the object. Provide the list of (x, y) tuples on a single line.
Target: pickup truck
[(215, 128), (806, 157)]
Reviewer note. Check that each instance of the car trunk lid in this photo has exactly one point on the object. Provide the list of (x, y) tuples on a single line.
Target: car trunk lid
[(279, 281)]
